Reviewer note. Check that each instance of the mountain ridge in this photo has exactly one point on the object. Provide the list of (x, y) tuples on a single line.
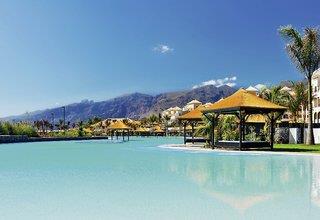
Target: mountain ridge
[(134, 105)]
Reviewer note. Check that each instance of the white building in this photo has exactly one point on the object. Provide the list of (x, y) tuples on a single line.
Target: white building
[(315, 83), (252, 90), (191, 105), (172, 113)]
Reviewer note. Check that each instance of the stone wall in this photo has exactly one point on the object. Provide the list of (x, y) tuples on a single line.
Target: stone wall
[(13, 138), (23, 138)]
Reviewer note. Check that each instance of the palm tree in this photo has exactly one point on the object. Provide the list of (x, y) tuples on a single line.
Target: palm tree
[(297, 99), (37, 124), (304, 51), (276, 95), (46, 125), (205, 129), (153, 119), (166, 120), (60, 125), (80, 129)]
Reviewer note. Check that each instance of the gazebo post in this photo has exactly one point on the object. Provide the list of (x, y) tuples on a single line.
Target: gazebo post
[(212, 132), (271, 132), (244, 130), (184, 133), (128, 134), (192, 130), (111, 135), (123, 135), (240, 130)]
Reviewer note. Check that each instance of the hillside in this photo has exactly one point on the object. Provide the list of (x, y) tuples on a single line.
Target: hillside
[(134, 105)]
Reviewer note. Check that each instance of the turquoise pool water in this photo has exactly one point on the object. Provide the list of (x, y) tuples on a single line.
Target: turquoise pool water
[(139, 180)]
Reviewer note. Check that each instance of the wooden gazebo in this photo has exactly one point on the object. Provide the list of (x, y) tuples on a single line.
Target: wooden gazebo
[(158, 131), (243, 104), (142, 131), (119, 126), (192, 118)]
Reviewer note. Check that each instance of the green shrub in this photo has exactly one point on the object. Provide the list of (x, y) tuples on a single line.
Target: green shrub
[(7, 128), (227, 128), (252, 135)]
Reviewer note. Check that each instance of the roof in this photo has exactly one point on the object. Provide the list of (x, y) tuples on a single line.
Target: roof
[(196, 114), (141, 129), (316, 73), (194, 102), (256, 118), (118, 125), (286, 88), (189, 127), (252, 89), (260, 87), (176, 108), (244, 100), (157, 129)]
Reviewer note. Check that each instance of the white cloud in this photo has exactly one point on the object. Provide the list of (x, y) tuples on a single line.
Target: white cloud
[(162, 48), (229, 81)]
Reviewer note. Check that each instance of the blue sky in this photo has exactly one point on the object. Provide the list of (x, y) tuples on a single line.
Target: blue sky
[(58, 52)]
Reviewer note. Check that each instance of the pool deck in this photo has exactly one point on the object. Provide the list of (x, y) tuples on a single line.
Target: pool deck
[(200, 148)]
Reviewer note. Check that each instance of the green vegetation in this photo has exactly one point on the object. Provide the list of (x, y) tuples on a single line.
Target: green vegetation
[(298, 99), (301, 148), (7, 128), (227, 128), (80, 132), (276, 95), (304, 52)]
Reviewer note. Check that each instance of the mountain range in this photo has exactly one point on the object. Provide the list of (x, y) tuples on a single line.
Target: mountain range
[(135, 105)]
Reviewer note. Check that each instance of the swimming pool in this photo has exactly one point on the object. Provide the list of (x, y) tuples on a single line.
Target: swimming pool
[(139, 180)]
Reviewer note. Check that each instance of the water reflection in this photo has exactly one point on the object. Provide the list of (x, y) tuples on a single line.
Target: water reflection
[(315, 183), (242, 182)]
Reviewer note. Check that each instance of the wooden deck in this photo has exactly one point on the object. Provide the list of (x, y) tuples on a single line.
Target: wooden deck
[(245, 144), (196, 140)]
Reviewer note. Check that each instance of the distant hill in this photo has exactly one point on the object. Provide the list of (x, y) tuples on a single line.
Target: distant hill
[(135, 105)]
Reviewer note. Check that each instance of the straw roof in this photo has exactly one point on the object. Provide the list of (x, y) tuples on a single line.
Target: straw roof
[(141, 129), (118, 125), (244, 100), (189, 127), (174, 129), (196, 114), (157, 129), (256, 118)]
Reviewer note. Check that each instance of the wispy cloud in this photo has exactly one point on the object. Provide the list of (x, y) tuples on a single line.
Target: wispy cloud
[(229, 81), (162, 48)]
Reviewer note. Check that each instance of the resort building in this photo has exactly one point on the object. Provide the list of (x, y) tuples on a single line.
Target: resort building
[(172, 113), (191, 105), (287, 116), (252, 90), (316, 96), (315, 83)]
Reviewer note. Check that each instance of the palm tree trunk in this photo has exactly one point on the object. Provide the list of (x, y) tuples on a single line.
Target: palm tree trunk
[(310, 135)]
